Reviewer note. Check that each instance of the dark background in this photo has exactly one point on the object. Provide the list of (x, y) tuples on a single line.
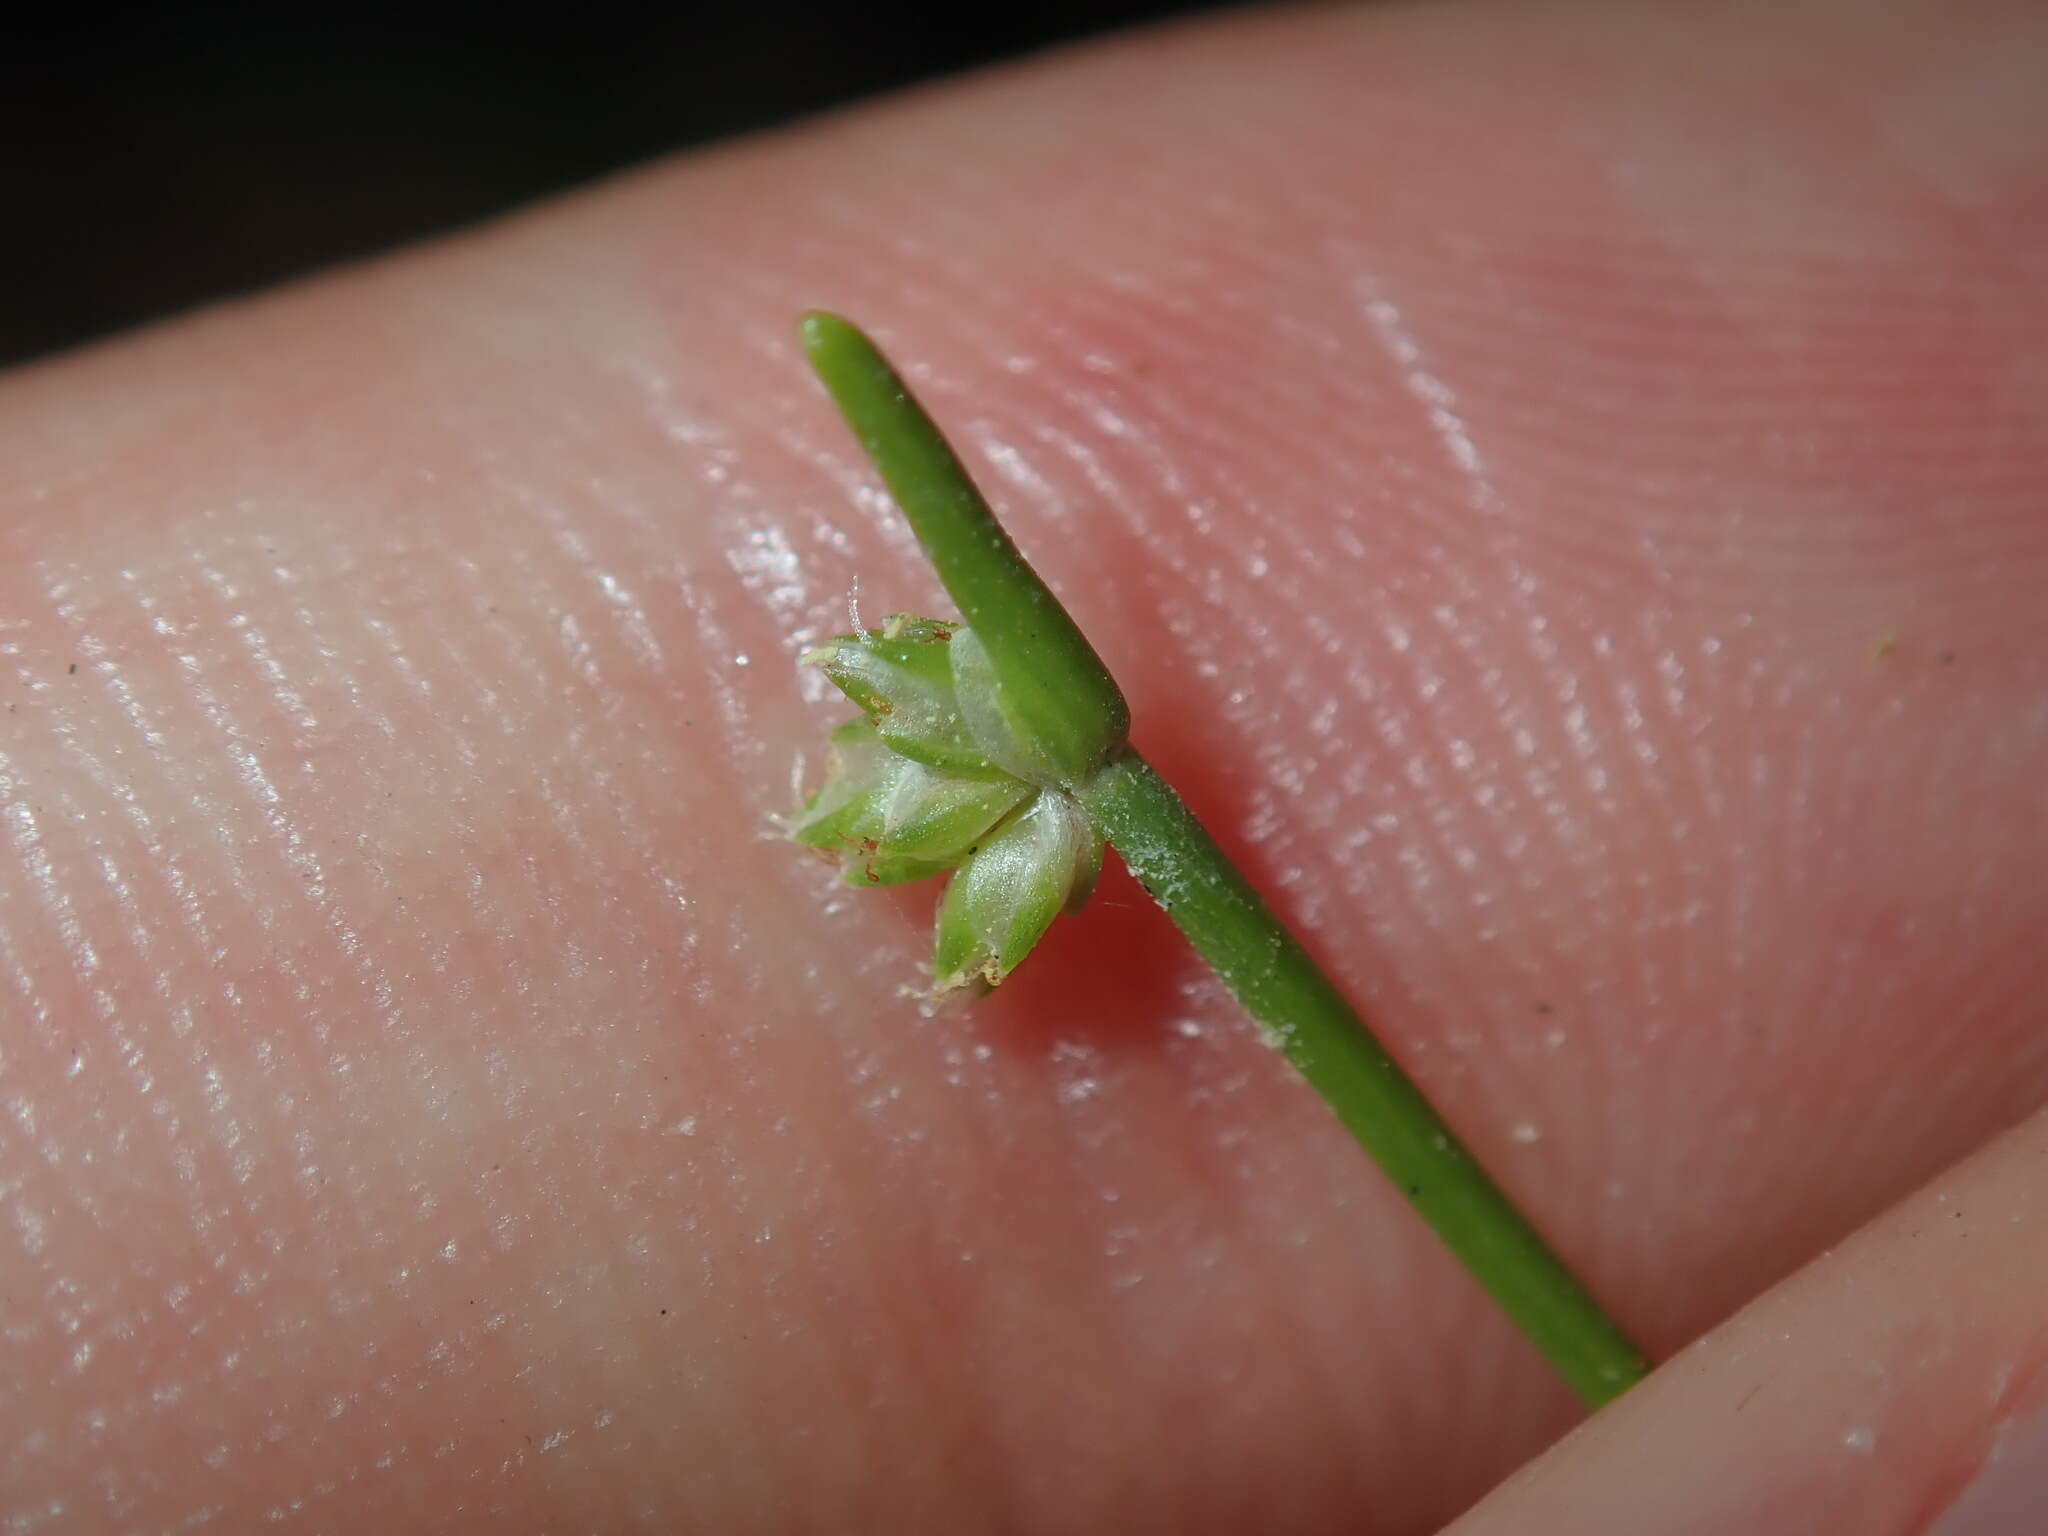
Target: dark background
[(150, 165)]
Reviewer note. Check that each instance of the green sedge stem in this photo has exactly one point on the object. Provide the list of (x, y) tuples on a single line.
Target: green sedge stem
[(1268, 971), (1058, 691)]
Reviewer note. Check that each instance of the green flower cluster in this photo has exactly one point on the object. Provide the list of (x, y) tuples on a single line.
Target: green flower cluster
[(933, 777)]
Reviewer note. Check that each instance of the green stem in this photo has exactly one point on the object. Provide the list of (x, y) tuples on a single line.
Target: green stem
[(1057, 689), (1268, 971)]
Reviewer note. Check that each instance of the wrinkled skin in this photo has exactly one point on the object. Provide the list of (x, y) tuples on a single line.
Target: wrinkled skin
[(1563, 490)]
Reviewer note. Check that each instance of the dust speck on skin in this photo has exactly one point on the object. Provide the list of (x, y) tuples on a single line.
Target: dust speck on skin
[(1862, 1438), (1078, 1090)]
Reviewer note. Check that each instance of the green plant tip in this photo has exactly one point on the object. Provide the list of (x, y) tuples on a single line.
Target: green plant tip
[(1049, 688)]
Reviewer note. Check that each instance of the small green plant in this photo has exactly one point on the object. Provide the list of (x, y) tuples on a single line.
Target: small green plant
[(996, 747), (933, 777)]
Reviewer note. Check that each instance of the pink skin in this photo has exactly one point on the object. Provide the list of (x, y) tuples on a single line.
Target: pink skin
[(1563, 492)]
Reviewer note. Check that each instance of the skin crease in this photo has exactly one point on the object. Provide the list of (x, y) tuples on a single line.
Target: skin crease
[(1561, 490)]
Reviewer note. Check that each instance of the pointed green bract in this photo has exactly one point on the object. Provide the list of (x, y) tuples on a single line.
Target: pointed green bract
[(931, 816), (1058, 696), (987, 706), (848, 808), (902, 676), (859, 814), (1041, 861)]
